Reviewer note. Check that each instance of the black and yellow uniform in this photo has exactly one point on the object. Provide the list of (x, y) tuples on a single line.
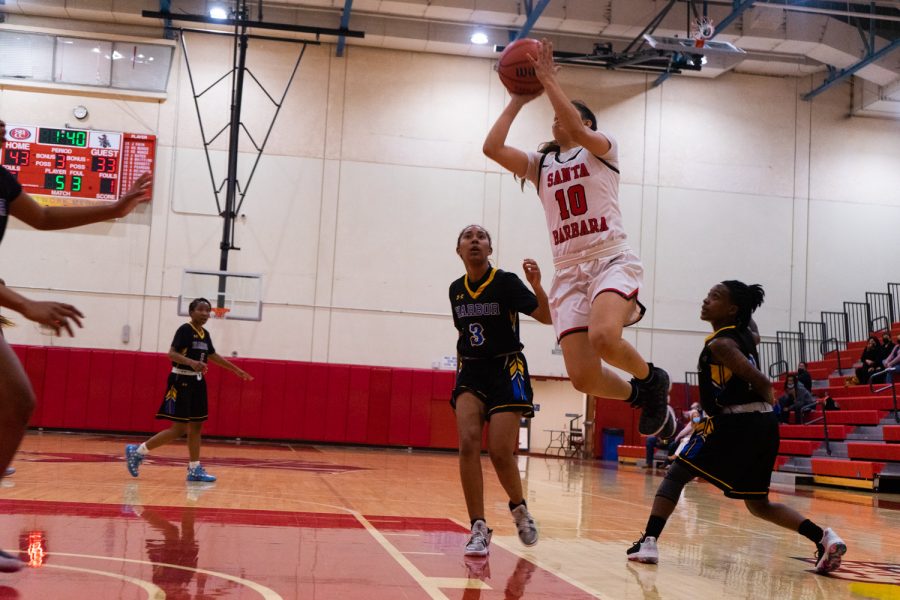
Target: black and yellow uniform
[(185, 398), (491, 364), (735, 451)]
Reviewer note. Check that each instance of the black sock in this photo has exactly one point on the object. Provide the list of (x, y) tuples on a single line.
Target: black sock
[(478, 519), (649, 374), (655, 526), (632, 397), (811, 531), (515, 506)]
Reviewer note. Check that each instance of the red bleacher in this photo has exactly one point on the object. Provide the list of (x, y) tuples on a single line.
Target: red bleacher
[(632, 451), (798, 447), (853, 469), (892, 433), (873, 451), (814, 432), (849, 417)]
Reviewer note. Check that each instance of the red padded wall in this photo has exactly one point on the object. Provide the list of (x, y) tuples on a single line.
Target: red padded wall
[(121, 391)]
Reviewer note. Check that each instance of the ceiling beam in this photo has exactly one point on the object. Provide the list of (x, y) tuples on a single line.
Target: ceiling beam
[(531, 18), (252, 24), (345, 22), (844, 73)]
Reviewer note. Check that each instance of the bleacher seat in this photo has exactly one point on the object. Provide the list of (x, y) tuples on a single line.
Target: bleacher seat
[(854, 469), (891, 433), (631, 454), (874, 451), (798, 447), (814, 432), (849, 417)]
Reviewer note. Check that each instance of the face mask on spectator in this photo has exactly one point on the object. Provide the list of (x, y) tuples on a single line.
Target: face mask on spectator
[(696, 419), (789, 386)]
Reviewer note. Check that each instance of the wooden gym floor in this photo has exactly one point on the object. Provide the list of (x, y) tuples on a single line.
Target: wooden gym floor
[(336, 523)]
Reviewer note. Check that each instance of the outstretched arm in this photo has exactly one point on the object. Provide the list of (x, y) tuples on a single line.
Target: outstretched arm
[(495, 148), (226, 364), (46, 218), (533, 276), (568, 116), (55, 315)]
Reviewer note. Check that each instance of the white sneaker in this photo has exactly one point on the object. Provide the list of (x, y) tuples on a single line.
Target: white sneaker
[(480, 540), (644, 551), (528, 533), (829, 552)]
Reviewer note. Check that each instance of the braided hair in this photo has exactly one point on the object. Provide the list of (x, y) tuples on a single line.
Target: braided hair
[(747, 298)]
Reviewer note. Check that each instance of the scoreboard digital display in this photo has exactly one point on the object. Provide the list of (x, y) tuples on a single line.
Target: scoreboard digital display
[(68, 167)]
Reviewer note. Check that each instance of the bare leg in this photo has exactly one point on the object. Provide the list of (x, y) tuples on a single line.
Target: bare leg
[(167, 435), (194, 440), (609, 313), (469, 424), (503, 438), (779, 514), (587, 373), (16, 404)]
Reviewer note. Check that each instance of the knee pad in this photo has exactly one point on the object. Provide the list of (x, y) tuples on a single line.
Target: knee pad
[(674, 481)]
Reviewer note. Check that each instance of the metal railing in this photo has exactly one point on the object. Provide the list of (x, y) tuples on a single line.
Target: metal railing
[(880, 307), (889, 381), (770, 355), (859, 320), (813, 333), (792, 346), (894, 293), (691, 379), (826, 344), (836, 326)]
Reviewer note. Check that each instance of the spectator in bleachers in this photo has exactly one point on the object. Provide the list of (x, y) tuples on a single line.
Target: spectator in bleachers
[(795, 398), (828, 403), (892, 360), (803, 376), (887, 346), (870, 361), (693, 415)]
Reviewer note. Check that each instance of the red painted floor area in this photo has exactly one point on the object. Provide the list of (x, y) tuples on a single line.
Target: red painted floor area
[(99, 551)]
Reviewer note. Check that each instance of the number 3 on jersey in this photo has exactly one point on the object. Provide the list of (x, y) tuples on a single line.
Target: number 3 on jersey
[(477, 331)]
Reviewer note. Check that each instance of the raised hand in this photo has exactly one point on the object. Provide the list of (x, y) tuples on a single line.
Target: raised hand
[(532, 272), (54, 315), (544, 67), (139, 192)]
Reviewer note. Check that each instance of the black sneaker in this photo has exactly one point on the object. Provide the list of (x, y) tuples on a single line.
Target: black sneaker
[(657, 417)]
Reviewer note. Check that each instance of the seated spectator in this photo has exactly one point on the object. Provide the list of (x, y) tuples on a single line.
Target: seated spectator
[(795, 398), (828, 403), (693, 415), (803, 376), (870, 361), (887, 346)]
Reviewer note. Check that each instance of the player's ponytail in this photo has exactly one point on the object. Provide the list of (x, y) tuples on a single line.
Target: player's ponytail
[(747, 298)]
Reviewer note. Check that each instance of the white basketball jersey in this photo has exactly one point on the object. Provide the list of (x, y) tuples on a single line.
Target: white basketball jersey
[(580, 194)]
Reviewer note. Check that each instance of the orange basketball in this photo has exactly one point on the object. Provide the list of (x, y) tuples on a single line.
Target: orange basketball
[(516, 71)]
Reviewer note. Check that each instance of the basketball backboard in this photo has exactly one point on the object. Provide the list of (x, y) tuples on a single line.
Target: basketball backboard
[(239, 293)]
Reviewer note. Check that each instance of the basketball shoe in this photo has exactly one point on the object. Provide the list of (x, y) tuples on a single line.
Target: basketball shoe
[(198, 473), (9, 471), (480, 540), (657, 417), (644, 551), (829, 552), (133, 459), (528, 533)]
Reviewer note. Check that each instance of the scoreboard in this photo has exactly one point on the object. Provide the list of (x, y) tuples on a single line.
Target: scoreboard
[(71, 167)]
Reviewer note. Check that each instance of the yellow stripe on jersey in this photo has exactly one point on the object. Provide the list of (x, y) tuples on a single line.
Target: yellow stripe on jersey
[(481, 287)]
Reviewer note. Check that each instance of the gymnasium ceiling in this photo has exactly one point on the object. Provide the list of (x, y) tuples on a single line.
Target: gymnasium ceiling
[(784, 38)]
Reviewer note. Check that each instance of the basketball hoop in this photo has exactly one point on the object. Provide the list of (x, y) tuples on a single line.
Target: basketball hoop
[(219, 312), (702, 30)]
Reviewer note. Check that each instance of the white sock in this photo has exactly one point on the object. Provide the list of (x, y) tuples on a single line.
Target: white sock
[(193, 464), (143, 450)]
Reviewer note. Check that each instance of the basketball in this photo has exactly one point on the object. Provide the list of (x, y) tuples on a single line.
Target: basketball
[(516, 71)]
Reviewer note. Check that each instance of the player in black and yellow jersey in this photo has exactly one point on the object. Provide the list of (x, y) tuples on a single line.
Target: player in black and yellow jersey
[(185, 402), (492, 381), (736, 446)]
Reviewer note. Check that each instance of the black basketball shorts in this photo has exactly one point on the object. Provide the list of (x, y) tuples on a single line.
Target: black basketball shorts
[(502, 383)]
